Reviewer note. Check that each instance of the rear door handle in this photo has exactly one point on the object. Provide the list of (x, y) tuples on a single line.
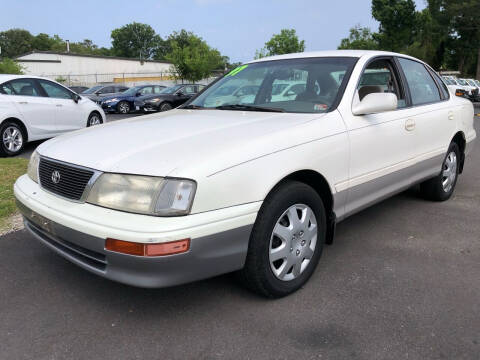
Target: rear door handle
[(23, 102), (410, 125), (59, 105)]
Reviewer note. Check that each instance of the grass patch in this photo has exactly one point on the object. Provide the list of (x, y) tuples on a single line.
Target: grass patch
[(10, 170)]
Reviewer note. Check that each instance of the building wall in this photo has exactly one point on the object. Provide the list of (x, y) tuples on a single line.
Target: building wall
[(58, 64)]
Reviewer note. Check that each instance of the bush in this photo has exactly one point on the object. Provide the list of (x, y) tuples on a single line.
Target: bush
[(8, 66)]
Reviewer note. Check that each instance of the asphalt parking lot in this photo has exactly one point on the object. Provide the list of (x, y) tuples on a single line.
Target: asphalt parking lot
[(401, 281)]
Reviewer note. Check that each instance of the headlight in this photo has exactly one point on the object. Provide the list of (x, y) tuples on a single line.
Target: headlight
[(32, 169), (143, 194), (111, 100)]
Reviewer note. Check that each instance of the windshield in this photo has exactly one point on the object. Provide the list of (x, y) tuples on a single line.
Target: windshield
[(171, 89), (132, 91), (471, 83), (477, 82), (462, 82), (306, 85), (92, 89)]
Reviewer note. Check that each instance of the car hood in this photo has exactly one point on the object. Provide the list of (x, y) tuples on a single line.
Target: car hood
[(97, 97), (119, 96), (184, 143)]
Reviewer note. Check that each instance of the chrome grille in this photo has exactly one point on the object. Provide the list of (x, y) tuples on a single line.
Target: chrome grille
[(63, 179)]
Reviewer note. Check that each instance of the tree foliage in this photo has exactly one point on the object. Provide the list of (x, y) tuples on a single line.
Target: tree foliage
[(15, 42), (360, 38), (446, 34), (286, 42), (135, 40), (8, 66), (192, 58)]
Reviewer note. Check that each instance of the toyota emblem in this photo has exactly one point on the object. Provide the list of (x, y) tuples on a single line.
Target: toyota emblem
[(55, 176)]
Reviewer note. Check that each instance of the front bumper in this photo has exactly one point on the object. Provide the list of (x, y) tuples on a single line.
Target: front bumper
[(211, 253), (109, 107)]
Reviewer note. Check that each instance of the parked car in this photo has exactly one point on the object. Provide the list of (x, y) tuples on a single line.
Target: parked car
[(78, 89), (34, 108), (205, 190), (475, 94), (243, 94), (454, 87), (97, 93), (470, 90), (168, 98), (123, 103)]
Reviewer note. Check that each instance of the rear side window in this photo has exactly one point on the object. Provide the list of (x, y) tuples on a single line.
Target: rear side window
[(442, 84), (55, 91), (21, 87), (421, 84)]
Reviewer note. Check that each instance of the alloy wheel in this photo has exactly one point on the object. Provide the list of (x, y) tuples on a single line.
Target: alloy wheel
[(449, 172), (293, 242), (95, 120), (124, 108), (12, 139)]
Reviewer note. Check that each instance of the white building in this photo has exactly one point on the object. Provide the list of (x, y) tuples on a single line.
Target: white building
[(75, 69)]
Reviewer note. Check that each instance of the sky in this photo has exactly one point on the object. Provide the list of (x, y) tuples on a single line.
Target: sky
[(235, 28)]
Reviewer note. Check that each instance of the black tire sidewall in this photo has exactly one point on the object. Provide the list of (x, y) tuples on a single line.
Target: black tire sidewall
[(3, 150), (285, 196), (446, 195)]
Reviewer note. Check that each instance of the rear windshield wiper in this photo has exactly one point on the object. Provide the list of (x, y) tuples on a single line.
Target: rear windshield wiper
[(248, 108)]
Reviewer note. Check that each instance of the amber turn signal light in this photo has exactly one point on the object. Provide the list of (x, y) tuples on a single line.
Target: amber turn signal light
[(140, 249)]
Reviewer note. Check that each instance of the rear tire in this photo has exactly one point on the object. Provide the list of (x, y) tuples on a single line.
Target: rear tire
[(284, 251), (12, 139), (441, 187)]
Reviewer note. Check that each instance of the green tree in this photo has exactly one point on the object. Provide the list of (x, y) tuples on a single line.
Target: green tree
[(135, 40), (192, 58), (398, 23), (8, 66), (15, 42), (360, 38), (286, 42)]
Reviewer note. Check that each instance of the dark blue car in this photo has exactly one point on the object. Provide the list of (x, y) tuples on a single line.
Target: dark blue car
[(123, 102)]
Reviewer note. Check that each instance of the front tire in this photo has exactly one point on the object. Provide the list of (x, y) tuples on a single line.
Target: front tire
[(94, 119), (165, 106), (286, 241), (12, 138), (441, 187), (123, 107)]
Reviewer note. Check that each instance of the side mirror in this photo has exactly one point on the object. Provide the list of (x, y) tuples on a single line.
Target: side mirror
[(179, 93), (138, 93), (376, 103), (76, 98), (98, 93)]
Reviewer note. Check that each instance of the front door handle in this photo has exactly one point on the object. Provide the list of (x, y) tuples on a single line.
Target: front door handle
[(450, 115), (23, 102), (59, 105), (410, 125)]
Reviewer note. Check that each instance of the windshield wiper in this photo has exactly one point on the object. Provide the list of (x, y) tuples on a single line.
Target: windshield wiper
[(248, 108), (191, 106)]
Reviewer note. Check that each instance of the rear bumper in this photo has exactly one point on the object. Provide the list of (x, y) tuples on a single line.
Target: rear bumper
[(208, 256)]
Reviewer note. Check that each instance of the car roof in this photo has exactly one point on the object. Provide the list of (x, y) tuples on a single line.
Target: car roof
[(8, 77), (332, 53)]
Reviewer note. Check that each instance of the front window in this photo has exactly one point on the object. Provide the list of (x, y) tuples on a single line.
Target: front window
[(471, 83), (171, 89), (92, 89), (306, 85), (462, 82), (132, 91)]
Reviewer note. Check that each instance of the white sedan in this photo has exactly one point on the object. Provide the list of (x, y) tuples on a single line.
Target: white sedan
[(204, 190), (33, 108)]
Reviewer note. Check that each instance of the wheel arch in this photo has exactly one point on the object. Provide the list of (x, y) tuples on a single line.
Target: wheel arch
[(95, 112), (461, 141), (19, 123), (320, 184)]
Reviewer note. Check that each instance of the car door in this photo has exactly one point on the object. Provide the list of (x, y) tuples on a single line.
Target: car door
[(381, 144), (37, 110), (69, 115), (183, 94), (434, 117)]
